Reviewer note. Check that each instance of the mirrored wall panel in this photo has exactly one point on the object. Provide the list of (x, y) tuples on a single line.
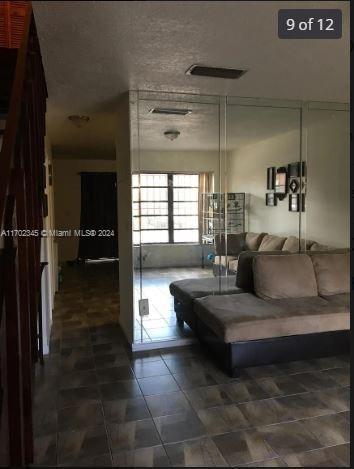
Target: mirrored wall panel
[(177, 166), (215, 177)]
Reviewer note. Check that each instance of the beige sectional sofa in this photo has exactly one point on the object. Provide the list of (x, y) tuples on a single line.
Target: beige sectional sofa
[(234, 244), (286, 306)]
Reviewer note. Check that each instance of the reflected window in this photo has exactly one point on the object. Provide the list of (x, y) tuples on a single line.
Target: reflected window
[(165, 208)]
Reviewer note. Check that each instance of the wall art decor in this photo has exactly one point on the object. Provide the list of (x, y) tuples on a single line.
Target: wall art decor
[(296, 202), (271, 178), (281, 182), (271, 199)]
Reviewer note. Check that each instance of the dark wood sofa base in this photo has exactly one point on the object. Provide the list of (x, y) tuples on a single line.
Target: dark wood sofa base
[(234, 356)]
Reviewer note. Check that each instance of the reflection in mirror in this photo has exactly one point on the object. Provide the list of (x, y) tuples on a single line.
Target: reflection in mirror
[(261, 144), (178, 161)]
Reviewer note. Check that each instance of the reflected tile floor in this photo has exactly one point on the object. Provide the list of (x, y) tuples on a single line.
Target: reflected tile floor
[(161, 325), (97, 404)]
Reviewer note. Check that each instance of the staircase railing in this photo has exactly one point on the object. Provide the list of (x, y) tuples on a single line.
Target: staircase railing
[(22, 182)]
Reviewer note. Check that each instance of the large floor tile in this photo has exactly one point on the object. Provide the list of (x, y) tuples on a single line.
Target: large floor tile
[(158, 385), (179, 427), (108, 375), (209, 396), (193, 379), (143, 457), (74, 447), (244, 391), (223, 419), (119, 390), (125, 410), (281, 386), (244, 447), (336, 456), (133, 435), (337, 399), (148, 369), (195, 453), (167, 404), (329, 430), (77, 396), (288, 438), (72, 418)]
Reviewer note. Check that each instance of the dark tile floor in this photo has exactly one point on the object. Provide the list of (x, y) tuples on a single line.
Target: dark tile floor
[(98, 405)]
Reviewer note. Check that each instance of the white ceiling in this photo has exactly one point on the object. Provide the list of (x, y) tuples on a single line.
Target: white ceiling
[(94, 51)]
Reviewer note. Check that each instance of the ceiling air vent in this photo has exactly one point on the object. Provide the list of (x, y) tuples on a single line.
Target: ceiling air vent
[(215, 72), (169, 111)]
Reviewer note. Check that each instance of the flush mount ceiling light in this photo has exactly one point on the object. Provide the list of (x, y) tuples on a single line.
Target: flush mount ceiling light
[(172, 134), (170, 111), (79, 121), (215, 72)]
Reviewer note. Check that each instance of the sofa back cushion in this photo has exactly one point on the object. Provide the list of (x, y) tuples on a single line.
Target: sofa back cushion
[(289, 276), (332, 273), (272, 243), (253, 240), (244, 276), (292, 244)]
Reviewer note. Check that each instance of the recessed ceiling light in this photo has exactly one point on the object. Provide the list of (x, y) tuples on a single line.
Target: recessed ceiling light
[(169, 111), (215, 72)]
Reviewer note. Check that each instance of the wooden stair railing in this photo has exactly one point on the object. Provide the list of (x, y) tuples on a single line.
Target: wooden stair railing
[(22, 183)]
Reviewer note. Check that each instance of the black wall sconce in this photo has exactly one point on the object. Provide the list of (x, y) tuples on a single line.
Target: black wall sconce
[(281, 182)]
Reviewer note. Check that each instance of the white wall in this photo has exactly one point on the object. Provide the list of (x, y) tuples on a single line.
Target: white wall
[(67, 183), (328, 163)]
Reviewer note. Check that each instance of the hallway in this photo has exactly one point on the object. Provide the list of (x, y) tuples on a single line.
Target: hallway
[(97, 405)]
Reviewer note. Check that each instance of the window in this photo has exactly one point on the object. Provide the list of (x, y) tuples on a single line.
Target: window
[(165, 208)]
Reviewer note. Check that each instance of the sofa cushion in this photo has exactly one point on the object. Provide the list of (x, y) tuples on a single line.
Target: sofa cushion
[(253, 240), (272, 243), (244, 276), (187, 290), (292, 244), (244, 317), (332, 273), (343, 299), (284, 276)]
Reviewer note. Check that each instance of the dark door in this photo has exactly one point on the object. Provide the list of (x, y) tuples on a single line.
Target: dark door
[(98, 213)]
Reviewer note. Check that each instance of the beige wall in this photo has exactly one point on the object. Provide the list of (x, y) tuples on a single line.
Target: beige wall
[(179, 161), (247, 169), (68, 199), (328, 148)]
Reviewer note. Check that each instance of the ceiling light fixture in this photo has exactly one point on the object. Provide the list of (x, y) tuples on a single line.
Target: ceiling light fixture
[(79, 121), (215, 72), (170, 111), (172, 134)]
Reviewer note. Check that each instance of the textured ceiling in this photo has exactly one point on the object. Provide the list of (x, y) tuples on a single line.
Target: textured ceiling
[(94, 51)]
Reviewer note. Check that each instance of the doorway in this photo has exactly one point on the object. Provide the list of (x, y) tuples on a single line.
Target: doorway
[(99, 218)]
